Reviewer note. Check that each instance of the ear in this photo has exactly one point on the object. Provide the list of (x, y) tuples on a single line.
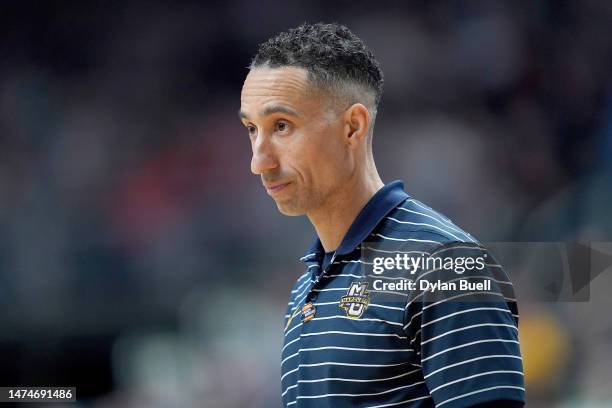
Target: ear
[(356, 124)]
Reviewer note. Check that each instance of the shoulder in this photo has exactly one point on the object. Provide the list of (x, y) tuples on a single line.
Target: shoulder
[(414, 220)]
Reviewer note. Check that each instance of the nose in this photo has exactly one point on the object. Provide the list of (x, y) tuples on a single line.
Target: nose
[(264, 158)]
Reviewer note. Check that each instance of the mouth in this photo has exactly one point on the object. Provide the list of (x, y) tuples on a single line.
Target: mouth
[(275, 188)]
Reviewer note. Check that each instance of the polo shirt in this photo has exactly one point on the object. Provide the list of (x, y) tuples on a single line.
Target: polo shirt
[(349, 344)]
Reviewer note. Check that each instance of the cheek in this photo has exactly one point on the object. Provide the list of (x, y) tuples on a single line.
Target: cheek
[(326, 160)]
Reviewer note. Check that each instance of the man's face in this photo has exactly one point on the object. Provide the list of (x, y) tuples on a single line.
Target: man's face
[(297, 141)]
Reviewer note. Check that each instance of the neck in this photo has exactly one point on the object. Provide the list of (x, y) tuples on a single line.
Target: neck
[(333, 220)]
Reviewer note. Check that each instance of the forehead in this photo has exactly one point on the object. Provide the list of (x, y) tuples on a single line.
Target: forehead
[(287, 86)]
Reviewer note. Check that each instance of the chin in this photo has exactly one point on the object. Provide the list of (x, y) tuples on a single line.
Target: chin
[(289, 210)]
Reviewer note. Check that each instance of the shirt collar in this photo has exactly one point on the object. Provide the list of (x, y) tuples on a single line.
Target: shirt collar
[(370, 216)]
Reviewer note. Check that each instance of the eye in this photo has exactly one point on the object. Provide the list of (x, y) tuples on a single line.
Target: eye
[(282, 126), (252, 130)]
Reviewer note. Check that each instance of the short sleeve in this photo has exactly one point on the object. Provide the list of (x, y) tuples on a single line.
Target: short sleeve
[(465, 330)]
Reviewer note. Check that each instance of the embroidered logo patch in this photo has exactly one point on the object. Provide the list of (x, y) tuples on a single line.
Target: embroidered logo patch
[(356, 300), (308, 312)]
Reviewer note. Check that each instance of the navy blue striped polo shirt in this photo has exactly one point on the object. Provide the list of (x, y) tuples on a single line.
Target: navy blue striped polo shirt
[(349, 342)]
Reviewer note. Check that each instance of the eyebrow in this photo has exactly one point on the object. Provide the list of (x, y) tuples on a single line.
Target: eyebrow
[(269, 110)]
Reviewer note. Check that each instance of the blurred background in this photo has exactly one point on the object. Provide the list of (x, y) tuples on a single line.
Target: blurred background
[(143, 263)]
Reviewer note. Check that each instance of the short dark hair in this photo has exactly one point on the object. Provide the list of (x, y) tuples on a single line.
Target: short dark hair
[(335, 58)]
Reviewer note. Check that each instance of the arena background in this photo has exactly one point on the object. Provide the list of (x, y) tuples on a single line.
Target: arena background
[(141, 262)]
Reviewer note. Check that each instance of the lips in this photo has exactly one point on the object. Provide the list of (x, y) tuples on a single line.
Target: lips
[(275, 188)]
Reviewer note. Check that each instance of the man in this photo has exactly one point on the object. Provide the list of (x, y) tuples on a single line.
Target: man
[(309, 104)]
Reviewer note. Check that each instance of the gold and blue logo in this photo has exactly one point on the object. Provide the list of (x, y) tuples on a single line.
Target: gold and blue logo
[(356, 300)]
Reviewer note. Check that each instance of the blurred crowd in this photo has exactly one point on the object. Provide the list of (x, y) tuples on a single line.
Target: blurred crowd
[(141, 262)]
